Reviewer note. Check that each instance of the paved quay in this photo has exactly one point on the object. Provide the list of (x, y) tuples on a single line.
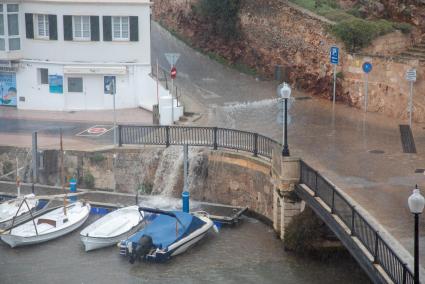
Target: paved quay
[(17, 125), (360, 153)]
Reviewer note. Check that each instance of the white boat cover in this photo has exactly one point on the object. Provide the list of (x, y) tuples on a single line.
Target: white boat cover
[(8, 209)]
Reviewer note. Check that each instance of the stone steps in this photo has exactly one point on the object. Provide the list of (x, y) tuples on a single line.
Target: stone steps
[(415, 52), (417, 49)]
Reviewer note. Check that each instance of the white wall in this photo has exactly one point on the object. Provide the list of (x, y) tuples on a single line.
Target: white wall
[(134, 89), (87, 51)]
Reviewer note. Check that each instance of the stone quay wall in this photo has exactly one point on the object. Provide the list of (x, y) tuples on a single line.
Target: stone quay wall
[(224, 177)]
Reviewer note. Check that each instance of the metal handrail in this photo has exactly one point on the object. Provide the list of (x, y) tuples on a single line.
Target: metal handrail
[(381, 251), (197, 136)]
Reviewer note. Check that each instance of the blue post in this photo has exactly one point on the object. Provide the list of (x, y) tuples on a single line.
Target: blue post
[(185, 199), (73, 189)]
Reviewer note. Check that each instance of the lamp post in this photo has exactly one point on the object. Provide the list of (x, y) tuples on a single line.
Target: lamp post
[(284, 91), (416, 205)]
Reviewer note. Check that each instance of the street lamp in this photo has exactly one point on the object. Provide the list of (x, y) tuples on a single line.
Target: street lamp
[(416, 205), (284, 91)]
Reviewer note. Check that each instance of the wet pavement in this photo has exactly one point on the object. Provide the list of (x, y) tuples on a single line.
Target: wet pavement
[(360, 153), (17, 125), (247, 253)]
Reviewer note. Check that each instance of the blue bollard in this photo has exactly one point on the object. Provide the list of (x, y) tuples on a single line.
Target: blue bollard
[(73, 189), (185, 199)]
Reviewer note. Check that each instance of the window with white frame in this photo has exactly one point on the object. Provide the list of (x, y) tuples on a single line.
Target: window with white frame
[(75, 85), (2, 36), (43, 76), (81, 27), (14, 41), (120, 28), (42, 26)]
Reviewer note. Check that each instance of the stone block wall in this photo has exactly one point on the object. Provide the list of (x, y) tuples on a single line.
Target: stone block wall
[(388, 90)]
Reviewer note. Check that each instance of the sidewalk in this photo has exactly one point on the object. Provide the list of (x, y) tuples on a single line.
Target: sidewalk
[(16, 127), (124, 116)]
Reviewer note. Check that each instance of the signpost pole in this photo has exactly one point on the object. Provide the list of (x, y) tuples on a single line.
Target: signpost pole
[(334, 54), (411, 104), (115, 118), (172, 101), (334, 84), (366, 92)]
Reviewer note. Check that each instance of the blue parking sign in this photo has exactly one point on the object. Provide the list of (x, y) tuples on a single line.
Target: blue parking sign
[(334, 55)]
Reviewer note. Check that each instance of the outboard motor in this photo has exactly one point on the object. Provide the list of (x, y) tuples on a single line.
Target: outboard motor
[(142, 248)]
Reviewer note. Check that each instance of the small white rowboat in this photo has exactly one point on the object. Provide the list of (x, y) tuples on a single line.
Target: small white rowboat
[(48, 226), (9, 209), (112, 228)]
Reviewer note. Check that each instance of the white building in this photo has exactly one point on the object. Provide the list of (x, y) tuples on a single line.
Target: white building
[(71, 54)]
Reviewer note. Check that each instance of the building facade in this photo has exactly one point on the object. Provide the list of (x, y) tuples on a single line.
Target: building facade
[(75, 55)]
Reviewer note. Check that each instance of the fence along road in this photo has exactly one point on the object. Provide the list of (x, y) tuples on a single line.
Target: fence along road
[(364, 242)]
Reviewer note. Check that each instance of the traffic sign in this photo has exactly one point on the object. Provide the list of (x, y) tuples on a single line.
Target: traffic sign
[(367, 67), (411, 75), (334, 55), (172, 58), (173, 72)]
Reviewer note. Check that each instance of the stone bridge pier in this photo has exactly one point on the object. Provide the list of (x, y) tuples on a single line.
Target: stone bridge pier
[(286, 204)]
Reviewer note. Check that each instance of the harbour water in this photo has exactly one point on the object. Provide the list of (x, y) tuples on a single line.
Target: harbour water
[(246, 253)]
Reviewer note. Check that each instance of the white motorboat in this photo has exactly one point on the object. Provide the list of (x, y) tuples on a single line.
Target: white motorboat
[(112, 228), (169, 234), (9, 209), (48, 226)]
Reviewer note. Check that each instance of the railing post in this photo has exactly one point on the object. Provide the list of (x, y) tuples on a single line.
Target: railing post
[(215, 138), (333, 201), (404, 273), (315, 183), (375, 255), (352, 233), (255, 144), (167, 136), (119, 135)]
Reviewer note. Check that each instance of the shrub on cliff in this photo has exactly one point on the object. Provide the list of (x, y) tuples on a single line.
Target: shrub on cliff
[(222, 16), (358, 33)]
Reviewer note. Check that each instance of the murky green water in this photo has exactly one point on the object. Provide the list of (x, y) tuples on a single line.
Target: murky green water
[(247, 253)]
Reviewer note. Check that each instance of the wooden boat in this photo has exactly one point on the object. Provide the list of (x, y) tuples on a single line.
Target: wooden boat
[(112, 228), (51, 225), (9, 209), (169, 234)]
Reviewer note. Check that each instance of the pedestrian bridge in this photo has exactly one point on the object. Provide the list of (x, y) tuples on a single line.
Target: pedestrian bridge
[(374, 254), (374, 251)]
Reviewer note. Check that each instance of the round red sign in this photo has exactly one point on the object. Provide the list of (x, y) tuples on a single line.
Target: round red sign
[(173, 72)]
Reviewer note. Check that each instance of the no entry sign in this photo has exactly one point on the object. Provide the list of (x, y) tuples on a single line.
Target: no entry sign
[(173, 72)]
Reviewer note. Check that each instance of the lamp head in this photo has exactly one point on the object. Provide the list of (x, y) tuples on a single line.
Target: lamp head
[(416, 202), (284, 91)]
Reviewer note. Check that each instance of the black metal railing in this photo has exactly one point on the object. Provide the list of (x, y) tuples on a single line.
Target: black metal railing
[(381, 251), (197, 136)]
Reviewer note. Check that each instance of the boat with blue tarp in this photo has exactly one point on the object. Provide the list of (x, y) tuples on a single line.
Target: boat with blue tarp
[(169, 234)]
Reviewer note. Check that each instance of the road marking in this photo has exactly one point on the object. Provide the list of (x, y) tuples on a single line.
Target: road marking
[(206, 94), (95, 131)]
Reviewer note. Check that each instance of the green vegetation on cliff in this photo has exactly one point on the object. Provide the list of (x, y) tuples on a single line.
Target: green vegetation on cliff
[(351, 26), (222, 16)]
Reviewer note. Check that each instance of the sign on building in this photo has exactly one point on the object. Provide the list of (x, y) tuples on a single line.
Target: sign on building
[(56, 84)]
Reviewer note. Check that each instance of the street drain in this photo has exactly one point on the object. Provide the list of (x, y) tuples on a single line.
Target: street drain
[(376, 152), (419, 171), (302, 98)]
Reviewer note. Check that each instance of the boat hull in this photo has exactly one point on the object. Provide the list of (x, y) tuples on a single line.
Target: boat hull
[(93, 243), (17, 241), (184, 244)]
